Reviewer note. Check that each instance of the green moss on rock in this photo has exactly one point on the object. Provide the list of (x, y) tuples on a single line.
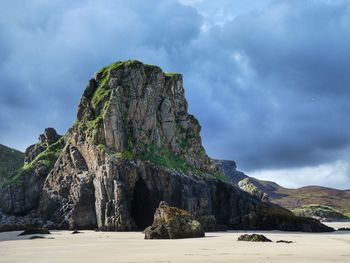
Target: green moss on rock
[(124, 154), (163, 157), (319, 211), (46, 158)]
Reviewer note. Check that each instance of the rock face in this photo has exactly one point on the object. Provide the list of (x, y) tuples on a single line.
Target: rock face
[(229, 169), (20, 192), (10, 161), (133, 145), (249, 187), (293, 199), (49, 137), (173, 223)]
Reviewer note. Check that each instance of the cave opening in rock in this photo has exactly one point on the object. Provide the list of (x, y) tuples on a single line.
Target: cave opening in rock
[(142, 207)]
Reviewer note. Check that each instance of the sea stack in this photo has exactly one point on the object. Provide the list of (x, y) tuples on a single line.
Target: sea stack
[(134, 144)]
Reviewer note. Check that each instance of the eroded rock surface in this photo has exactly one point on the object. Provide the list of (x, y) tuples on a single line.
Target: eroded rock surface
[(20, 193), (173, 223), (132, 145)]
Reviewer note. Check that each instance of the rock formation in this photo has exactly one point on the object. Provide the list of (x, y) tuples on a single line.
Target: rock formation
[(20, 192), (173, 223), (293, 199), (132, 145), (10, 161), (249, 187), (320, 212)]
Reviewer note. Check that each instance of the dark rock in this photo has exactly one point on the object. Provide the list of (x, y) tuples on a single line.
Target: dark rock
[(33, 151), (284, 241), (20, 195), (229, 169), (37, 237), (173, 223), (49, 137), (11, 227), (76, 232), (275, 217), (15, 223), (209, 224), (344, 229), (132, 145), (253, 238), (33, 231)]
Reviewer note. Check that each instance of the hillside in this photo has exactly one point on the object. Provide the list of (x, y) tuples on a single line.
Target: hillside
[(293, 198), (10, 161), (288, 198)]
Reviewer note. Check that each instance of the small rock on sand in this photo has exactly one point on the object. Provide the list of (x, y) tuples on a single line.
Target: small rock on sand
[(253, 238)]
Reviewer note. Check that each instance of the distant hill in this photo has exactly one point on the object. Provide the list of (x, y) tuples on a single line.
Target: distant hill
[(288, 198), (10, 160), (294, 198)]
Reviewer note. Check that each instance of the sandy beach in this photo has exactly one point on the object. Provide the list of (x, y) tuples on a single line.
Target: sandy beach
[(110, 247)]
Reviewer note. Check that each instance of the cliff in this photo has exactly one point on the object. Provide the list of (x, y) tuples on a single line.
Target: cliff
[(134, 144), (301, 199), (21, 189)]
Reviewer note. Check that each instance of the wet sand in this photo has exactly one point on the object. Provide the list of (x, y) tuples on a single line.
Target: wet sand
[(111, 247)]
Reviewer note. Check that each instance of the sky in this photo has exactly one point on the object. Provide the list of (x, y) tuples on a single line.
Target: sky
[(269, 80)]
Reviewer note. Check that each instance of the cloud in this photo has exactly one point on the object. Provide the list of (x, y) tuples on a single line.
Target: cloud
[(280, 76), (268, 80), (310, 175), (51, 50)]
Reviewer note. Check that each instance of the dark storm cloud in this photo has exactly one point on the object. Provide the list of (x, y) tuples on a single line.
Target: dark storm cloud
[(268, 80), (281, 74)]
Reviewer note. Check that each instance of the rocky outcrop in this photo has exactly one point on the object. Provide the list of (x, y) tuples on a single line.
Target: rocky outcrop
[(133, 145), (320, 212), (20, 192), (248, 186), (34, 231), (173, 223), (293, 199), (49, 137), (229, 169)]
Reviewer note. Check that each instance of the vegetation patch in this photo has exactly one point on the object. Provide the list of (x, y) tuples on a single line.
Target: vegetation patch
[(163, 157), (10, 161), (172, 74), (124, 154), (47, 158), (101, 147), (321, 211)]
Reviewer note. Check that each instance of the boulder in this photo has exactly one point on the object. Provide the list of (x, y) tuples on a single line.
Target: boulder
[(253, 238), (34, 231), (173, 223), (284, 241)]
